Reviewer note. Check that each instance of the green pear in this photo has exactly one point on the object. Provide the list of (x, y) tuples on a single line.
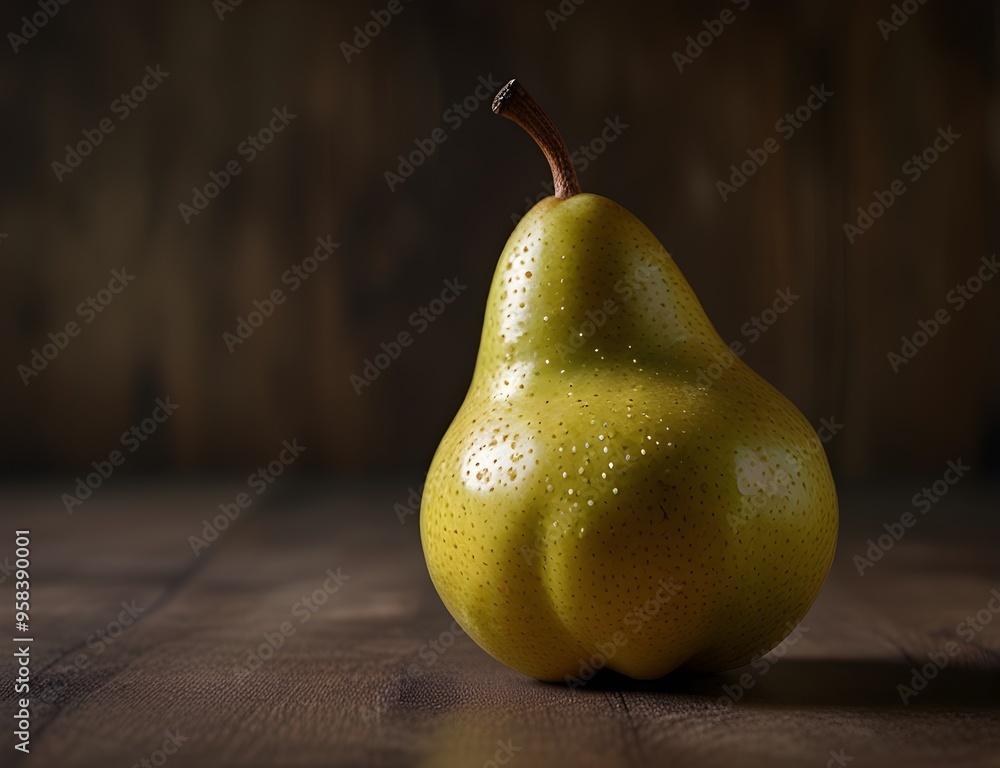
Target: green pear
[(618, 488)]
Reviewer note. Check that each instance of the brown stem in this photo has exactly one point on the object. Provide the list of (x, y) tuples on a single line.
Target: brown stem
[(514, 103)]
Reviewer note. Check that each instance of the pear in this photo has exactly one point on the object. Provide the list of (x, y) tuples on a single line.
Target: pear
[(618, 489)]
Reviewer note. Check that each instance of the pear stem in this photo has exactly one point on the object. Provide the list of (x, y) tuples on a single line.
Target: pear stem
[(514, 103)]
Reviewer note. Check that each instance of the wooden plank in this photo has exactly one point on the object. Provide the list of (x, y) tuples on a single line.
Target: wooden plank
[(357, 681)]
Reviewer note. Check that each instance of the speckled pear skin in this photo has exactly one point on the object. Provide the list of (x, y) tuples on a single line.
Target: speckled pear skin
[(609, 494)]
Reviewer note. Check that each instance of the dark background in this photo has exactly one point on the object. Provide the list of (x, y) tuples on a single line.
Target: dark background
[(356, 685), (324, 175)]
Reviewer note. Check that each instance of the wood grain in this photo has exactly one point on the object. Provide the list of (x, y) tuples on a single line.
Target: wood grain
[(324, 176), (378, 674)]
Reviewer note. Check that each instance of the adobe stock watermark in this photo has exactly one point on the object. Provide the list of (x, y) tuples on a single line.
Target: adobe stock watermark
[(454, 117), (303, 610), (838, 759), (763, 479), (98, 642), (582, 158), (250, 149), (363, 35), (559, 14), (636, 620), (294, 277), (419, 321), (121, 107), (258, 482), (87, 310), (222, 7), (923, 501), (752, 330), (171, 743), (593, 487), (581, 497), (901, 13), (958, 297), (34, 708), (762, 663), (625, 289), (131, 441), (403, 511), (713, 29), (967, 629), (429, 653), (505, 751), (6, 569), (47, 10), (786, 126), (913, 169)]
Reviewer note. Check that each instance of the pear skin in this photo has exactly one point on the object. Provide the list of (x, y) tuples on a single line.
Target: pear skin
[(610, 493)]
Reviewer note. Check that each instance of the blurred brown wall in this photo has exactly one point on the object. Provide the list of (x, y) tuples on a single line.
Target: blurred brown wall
[(324, 175)]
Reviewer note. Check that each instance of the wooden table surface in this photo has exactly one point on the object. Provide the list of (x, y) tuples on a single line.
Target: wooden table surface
[(372, 672)]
